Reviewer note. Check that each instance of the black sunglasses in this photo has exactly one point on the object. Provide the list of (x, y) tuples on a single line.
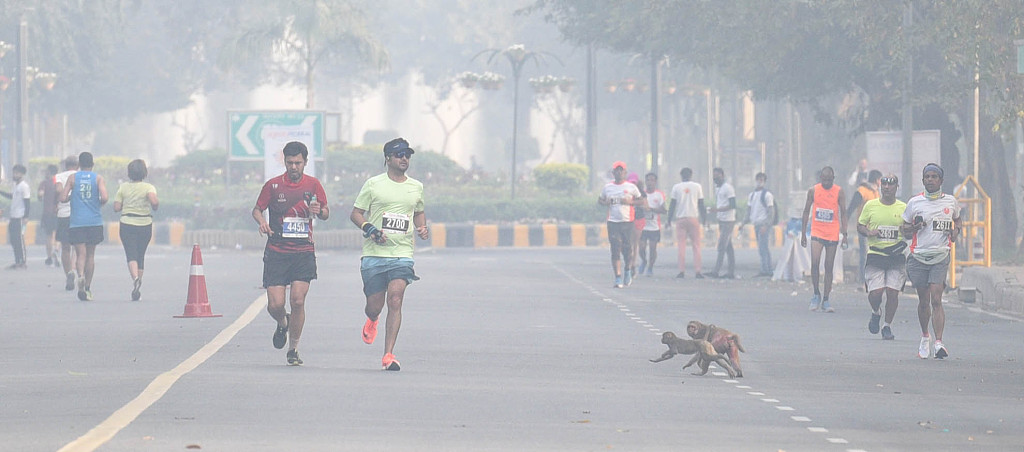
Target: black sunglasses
[(889, 181), (402, 154)]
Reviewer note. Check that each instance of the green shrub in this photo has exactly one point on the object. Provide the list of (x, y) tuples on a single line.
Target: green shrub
[(565, 178)]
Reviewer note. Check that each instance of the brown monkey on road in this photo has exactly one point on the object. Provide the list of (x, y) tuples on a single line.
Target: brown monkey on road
[(725, 342), (704, 353)]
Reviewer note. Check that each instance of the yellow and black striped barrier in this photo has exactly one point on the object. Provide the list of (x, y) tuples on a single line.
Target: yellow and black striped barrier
[(164, 233), (466, 235), (442, 235)]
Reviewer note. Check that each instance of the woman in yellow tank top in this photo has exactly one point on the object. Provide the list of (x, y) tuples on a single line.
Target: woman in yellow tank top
[(136, 200)]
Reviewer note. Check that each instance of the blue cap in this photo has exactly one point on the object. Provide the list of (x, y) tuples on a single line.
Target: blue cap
[(398, 144)]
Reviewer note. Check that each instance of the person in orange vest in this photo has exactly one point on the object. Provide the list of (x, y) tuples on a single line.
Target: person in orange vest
[(865, 192), (828, 204)]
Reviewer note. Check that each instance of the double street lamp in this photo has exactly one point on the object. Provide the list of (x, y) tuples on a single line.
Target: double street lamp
[(517, 57)]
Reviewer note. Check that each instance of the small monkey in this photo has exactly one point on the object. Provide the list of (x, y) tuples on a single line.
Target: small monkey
[(704, 353)]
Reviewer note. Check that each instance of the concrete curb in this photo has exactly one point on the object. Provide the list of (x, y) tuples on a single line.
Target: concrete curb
[(993, 288)]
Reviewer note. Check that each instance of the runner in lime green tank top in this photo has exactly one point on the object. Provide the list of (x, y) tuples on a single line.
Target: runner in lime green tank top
[(389, 210)]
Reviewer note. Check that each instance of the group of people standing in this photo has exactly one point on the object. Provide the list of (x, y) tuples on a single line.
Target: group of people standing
[(71, 216), (929, 220), (389, 209)]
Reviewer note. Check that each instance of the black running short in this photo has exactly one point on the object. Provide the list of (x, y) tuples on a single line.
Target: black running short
[(63, 225), (280, 269), (89, 235)]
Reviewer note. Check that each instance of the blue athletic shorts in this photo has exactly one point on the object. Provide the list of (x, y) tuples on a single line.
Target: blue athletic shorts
[(379, 271)]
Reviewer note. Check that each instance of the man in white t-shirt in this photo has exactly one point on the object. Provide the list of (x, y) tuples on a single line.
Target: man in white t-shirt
[(932, 221), (64, 222), (651, 235), (725, 212), (20, 197), (761, 213), (686, 211), (619, 196)]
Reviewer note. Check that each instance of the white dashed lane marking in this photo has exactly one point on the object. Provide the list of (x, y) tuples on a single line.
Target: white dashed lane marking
[(645, 324)]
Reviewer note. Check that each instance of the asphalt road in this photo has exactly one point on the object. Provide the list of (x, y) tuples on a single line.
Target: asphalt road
[(501, 350)]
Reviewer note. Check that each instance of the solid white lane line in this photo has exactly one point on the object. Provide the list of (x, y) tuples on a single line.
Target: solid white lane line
[(156, 389)]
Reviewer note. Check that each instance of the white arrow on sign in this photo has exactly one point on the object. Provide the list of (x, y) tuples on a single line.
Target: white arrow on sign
[(243, 135)]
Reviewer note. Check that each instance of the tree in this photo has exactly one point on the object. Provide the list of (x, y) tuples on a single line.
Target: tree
[(810, 51), (297, 37)]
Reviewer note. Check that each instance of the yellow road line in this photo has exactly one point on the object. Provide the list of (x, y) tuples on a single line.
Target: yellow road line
[(106, 430)]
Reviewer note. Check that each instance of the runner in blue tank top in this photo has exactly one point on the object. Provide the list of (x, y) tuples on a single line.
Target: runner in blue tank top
[(86, 193)]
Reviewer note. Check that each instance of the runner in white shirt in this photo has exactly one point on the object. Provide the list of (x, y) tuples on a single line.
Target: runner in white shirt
[(651, 235), (618, 195), (64, 222), (932, 221), (686, 210)]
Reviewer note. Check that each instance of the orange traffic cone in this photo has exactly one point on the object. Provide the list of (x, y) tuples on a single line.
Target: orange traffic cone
[(198, 304)]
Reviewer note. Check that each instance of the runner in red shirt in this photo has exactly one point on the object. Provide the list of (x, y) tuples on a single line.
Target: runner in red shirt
[(292, 200)]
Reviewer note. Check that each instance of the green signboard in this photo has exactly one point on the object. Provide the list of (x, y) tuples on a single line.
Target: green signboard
[(253, 133)]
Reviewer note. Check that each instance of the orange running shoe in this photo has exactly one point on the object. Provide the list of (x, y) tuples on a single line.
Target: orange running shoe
[(389, 362), (370, 331)]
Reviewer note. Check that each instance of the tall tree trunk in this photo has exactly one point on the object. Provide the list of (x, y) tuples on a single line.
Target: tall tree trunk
[(994, 173)]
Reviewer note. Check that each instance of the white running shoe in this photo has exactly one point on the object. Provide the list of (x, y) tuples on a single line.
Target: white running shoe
[(924, 349), (940, 350)]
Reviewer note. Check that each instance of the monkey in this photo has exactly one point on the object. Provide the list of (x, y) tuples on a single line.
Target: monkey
[(704, 353), (725, 342)]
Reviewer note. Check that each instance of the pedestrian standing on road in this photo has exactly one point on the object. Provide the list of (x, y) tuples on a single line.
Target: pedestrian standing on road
[(87, 192), (725, 212), (289, 258), (761, 213), (651, 234), (686, 210), (932, 221), (389, 210), (21, 197), (825, 199), (865, 192), (885, 266), (67, 254), (619, 195), (136, 200), (47, 195)]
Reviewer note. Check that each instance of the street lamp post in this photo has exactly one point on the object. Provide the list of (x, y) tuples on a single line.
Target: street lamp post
[(23, 74), (4, 83), (517, 56)]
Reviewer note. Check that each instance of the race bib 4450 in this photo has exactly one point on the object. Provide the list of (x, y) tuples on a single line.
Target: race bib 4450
[(295, 227)]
